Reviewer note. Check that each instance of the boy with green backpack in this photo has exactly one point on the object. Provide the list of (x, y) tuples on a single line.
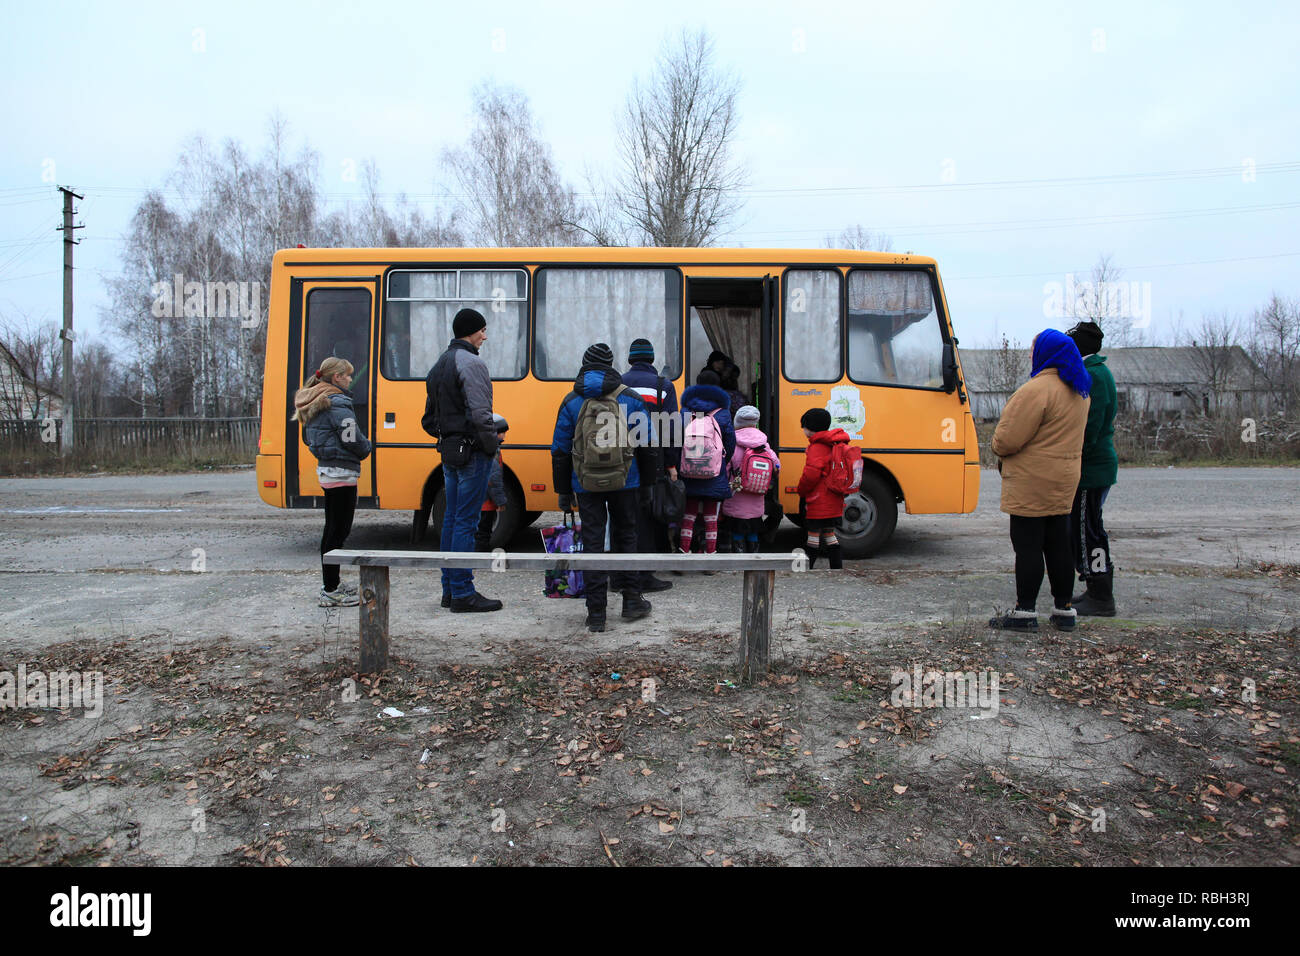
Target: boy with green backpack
[(603, 443)]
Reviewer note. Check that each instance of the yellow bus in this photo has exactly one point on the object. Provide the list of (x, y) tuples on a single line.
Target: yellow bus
[(865, 335)]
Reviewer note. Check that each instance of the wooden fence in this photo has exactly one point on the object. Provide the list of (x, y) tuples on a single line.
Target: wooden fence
[(133, 439)]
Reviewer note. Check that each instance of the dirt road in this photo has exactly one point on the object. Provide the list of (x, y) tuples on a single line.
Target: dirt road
[(235, 728)]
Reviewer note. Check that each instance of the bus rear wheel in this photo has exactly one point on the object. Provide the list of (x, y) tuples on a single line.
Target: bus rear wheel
[(870, 515), (509, 520)]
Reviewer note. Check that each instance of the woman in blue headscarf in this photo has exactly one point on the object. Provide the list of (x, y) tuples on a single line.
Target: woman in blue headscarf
[(1039, 440)]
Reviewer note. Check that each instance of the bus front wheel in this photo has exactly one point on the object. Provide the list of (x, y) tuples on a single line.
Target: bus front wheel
[(870, 515)]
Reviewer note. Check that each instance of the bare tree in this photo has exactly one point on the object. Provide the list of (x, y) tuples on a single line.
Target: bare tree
[(678, 184), (371, 223), (31, 354), (858, 237), (1275, 347), (1010, 366), (1214, 355), (98, 380), (514, 193), (1106, 299)]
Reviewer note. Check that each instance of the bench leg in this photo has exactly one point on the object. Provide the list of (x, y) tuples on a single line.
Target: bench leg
[(756, 624), (374, 618)]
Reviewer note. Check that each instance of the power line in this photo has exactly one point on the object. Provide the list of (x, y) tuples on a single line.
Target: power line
[(1162, 265), (1101, 179)]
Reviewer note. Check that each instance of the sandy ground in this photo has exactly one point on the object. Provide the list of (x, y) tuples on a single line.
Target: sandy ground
[(235, 728)]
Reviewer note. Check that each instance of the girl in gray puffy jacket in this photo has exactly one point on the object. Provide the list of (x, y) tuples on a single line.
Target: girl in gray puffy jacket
[(332, 432)]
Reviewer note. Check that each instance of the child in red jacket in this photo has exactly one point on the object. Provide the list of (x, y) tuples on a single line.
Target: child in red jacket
[(822, 507)]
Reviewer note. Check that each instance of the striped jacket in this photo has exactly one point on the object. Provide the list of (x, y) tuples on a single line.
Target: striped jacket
[(647, 383)]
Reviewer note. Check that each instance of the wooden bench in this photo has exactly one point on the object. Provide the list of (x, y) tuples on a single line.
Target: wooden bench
[(755, 608)]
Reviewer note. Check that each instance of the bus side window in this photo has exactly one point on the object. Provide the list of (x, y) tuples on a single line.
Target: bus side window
[(338, 324)]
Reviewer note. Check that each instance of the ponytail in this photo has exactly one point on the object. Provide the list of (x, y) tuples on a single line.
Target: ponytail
[(331, 366)]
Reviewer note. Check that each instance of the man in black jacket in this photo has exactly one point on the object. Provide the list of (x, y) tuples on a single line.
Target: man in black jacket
[(458, 413), (660, 398)]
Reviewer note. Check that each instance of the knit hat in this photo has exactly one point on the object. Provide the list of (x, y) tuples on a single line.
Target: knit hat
[(641, 351), (707, 377), (816, 420), (714, 356), (467, 322), (1087, 336), (746, 417), (599, 354)]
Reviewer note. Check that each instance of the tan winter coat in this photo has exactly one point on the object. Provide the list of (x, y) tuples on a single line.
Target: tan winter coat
[(1040, 441)]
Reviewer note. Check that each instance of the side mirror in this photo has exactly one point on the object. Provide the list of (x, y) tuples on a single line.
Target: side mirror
[(949, 367)]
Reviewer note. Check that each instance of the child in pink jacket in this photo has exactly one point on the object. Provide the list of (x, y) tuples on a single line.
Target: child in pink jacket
[(745, 510)]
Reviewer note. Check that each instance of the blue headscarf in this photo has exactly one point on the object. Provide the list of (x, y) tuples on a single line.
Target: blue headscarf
[(1053, 349)]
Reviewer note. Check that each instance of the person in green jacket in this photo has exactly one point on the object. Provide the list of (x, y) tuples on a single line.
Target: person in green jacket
[(1099, 471)]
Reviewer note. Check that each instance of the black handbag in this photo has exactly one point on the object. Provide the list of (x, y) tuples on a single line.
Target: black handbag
[(667, 500), (456, 450)]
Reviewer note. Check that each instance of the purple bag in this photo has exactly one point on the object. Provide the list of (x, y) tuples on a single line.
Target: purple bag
[(563, 539)]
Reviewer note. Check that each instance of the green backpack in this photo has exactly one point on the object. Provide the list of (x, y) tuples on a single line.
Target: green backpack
[(602, 451)]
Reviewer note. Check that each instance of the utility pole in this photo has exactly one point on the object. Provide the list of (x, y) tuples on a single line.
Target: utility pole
[(69, 241)]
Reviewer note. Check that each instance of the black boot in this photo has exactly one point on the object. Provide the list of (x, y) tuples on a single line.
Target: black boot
[(1099, 599), (596, 620), (635, 606), (813, 555), (651, 583), (836, 559)]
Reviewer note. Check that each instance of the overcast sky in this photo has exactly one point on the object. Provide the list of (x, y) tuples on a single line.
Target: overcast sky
[(1008, 141)]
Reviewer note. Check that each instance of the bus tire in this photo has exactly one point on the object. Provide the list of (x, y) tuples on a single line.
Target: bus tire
[(870, 515), (508, 521)]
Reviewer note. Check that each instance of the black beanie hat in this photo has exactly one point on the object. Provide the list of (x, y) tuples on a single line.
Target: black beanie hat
[(707, 377), (816, 420), (714, 356), (641, 350), (599, 354), (1087, 336), (467, 322)]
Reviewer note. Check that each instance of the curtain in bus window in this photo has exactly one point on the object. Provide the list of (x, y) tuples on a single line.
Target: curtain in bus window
[(894, 335), (579, 307), (421, 330), (734, 331), (811, 321)]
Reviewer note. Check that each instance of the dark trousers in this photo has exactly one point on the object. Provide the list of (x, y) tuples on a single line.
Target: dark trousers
[(340, 506), (1039, 540), (487, 521), (651, 537), (619, 508), (465, 488), (1088, 534)]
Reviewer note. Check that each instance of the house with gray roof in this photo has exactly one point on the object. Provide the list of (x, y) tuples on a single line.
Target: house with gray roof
[(1154, 382)]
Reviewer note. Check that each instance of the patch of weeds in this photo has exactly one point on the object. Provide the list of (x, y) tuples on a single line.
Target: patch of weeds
[(854, 694), (1184, 703), (803, 792)]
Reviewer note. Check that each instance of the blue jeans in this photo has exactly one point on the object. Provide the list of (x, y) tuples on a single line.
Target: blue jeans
[(465, 489)]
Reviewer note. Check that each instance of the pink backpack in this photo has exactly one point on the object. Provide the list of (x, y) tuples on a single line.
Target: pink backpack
[(702, 451), (755, 472)]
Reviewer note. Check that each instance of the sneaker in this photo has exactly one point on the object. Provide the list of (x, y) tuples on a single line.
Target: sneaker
[(350, 589), (475, 602), (1063, 620), (338, 598), (1016, 620), (596, 621), (635, 607)]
